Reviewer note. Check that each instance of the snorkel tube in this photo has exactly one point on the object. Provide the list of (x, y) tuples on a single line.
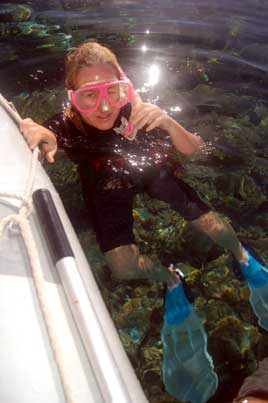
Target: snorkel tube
[(130, 132)]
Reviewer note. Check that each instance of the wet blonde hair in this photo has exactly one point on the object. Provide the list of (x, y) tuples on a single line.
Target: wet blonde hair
[(85, 55)]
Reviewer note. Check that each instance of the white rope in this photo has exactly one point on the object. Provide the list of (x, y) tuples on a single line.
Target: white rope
[(22, 222)]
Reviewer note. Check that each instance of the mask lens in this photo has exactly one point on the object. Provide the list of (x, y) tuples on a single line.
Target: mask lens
[(87, 98), (118, 93)]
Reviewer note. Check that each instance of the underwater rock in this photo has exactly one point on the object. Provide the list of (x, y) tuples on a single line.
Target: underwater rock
[(157, 228), (209, 98), (262, 350), (39, 106), (14, 12), (257, 52), (151, 363), (258, 114), (230, 151), (242, 187), (30, 36), (152, 356), (228, 183), (130, 346), (29, 29), (153, 380), (261, 110), (237, 341), (7, 53), (216, 310), (197, 170), (134, 318), (144, 217), (42, 38), (77, 4)]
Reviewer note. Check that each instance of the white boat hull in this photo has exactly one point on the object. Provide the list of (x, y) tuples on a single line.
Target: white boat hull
[(28, 372)]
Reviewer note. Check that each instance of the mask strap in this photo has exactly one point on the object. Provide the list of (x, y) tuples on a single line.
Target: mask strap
[(122, 74)]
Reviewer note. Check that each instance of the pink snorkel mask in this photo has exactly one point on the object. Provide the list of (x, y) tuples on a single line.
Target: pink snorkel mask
[(118, 93)]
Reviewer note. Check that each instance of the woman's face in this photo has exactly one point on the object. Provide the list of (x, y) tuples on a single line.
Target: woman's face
[(105, 116)]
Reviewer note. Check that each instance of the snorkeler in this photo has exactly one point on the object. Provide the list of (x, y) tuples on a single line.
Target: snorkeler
[(113, 168), (122, 146)]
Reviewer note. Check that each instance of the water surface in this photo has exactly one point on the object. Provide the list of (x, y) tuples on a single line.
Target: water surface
[(205, 63)]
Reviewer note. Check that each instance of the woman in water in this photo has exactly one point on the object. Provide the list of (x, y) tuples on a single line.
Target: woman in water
[(122, 146)]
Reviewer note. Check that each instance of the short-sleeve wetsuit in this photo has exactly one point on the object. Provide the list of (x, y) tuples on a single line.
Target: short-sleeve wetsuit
[(113, 169)]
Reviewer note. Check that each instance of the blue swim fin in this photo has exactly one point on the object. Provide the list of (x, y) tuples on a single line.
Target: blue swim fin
[(256, 276), (188, 371)]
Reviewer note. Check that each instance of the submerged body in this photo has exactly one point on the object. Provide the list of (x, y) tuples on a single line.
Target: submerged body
[(113, 169)]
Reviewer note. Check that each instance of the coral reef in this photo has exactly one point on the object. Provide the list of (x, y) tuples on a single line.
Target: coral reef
[(24, 35)]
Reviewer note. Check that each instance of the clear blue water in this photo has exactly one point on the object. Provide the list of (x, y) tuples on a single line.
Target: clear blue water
[(205, 63)]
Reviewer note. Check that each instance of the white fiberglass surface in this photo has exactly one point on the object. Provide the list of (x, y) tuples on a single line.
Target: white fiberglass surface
[(30, 374)]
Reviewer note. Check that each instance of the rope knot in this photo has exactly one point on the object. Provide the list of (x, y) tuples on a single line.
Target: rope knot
[(13, 222), (26, 207)]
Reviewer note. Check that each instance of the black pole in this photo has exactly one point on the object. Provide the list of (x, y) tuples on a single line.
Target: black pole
[(51, 225)]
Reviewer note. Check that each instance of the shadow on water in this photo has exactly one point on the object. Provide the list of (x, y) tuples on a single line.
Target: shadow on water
[(212, 60)]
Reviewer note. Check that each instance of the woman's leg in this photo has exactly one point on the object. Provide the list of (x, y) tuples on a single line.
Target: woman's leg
[(222, 233), (183, 199), (114, 223), (126, 263)]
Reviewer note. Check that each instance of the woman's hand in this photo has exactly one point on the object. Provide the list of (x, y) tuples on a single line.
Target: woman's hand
[(149, 116), (36, 134)]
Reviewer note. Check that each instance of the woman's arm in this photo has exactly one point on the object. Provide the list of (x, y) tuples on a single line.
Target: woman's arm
[(36, 134), (151, 116)]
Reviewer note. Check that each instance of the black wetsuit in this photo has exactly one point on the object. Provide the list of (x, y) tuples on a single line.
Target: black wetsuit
[(113, 169)]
